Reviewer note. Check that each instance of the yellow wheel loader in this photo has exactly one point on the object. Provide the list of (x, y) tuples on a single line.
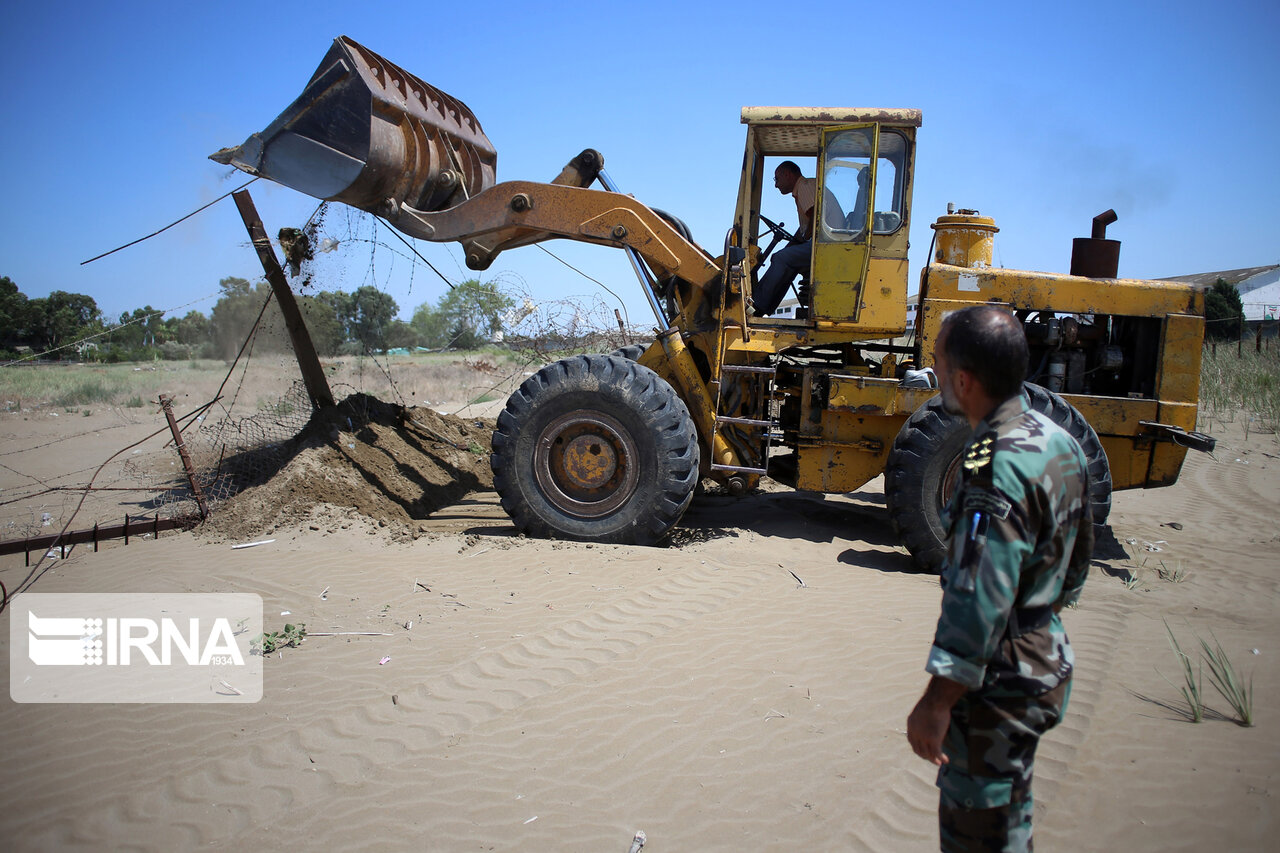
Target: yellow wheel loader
[(609, 448)]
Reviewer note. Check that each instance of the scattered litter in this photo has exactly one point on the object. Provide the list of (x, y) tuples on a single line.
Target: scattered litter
[(229, 687), (384, 661), (408, 625), (252, 544), (285, 612), (324, 594), (476, 554), (796, 576), (51, 554), (775, 715), (530, 820), (395, 699), (1255, 651), (637, 842), (46, 519), (1174, 524)]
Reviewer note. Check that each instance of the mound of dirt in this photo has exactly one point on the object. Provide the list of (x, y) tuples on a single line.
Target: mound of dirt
[(363, 459)]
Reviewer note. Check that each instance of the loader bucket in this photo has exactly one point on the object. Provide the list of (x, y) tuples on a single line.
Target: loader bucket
[(368, 133)]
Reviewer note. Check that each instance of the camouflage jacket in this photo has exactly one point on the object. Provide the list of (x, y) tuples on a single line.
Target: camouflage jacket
[(1021, 537)]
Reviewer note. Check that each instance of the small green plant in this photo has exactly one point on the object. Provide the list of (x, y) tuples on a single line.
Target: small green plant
[(1135, 578), (1192, 681), (134, 402), (1223, 676), (290, 636), (1175, 575)]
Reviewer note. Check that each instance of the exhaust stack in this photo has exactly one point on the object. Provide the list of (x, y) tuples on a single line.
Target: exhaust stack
[(1096, 256)]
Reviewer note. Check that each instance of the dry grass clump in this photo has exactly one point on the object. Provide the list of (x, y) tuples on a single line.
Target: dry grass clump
[(1245, 386)]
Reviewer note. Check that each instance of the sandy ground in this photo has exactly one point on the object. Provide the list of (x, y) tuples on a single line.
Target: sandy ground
[(745, 690)]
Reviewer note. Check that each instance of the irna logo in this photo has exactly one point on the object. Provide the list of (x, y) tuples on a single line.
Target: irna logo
[(184, 647), (59, 641)]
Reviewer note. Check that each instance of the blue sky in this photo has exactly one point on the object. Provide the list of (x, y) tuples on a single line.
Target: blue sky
[(1039, 115)]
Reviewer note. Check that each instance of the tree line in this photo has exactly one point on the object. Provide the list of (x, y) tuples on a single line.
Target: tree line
[(70, 326)]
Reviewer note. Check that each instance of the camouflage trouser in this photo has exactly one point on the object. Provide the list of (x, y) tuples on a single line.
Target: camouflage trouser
[(985, 802)]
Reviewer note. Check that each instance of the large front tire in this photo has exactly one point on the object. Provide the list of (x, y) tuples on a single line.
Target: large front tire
[(595, 448)]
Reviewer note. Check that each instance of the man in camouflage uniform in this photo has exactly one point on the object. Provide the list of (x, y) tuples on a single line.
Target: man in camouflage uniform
[(1020, 541)]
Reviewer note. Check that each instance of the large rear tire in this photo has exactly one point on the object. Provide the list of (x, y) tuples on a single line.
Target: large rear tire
[(595, 448), (1069, 418), (631, 352), (923, 470), (920, 476)]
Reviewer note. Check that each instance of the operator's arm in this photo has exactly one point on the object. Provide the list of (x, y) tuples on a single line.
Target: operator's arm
[(805, 231)]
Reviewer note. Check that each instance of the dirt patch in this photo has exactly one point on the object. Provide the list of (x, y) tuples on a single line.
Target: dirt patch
[(363, 461)]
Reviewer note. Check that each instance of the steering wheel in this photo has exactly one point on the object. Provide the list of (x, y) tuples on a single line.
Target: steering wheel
[(777, 229), (779, 234)]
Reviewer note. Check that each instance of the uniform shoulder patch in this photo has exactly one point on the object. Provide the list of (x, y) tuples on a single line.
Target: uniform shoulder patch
[(989, 503)]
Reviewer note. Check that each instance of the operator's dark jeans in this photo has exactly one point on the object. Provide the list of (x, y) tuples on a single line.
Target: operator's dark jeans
[(784, 266)]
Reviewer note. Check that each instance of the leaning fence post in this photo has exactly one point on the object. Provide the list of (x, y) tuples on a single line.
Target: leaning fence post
[(166, 403), (303, 349)]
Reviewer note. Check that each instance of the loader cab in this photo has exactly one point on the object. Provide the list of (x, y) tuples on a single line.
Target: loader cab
[(856, 282)]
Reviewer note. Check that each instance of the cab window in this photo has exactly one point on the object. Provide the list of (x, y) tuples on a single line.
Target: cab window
[(846, 177)]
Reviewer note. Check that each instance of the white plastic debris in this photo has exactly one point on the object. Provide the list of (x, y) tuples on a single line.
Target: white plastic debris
[(252, 544)]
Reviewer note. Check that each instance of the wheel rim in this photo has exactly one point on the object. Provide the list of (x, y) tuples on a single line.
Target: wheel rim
[(586, 464)]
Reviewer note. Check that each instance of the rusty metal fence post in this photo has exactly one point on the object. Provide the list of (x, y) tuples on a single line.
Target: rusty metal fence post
[(166, 403)]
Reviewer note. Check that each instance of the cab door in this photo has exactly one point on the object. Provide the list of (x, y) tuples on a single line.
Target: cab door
[(843, 222)]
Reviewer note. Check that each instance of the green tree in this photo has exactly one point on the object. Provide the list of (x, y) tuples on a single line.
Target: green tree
[(370, 312), (468, 316), (15, 314), (192, 330), (235, 314), (401, 334), (62, 318), (327, 333), (1223, 312), (144, 327), (431, 327)]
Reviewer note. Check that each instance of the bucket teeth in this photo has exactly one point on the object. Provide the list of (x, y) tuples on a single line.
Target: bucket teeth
[(368, 133)]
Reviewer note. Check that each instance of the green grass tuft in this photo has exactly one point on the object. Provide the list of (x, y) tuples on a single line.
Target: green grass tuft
[(1223, 676), (1191, 679)]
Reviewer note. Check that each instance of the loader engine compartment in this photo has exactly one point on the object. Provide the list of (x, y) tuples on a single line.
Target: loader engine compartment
[(1099, 355)]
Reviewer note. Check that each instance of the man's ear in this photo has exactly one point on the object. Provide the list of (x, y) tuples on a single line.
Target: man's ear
[(964, 383)]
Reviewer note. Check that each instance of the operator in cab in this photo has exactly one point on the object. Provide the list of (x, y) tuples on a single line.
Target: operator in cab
[(793, 260)]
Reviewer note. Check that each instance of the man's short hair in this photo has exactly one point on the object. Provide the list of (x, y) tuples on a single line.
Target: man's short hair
[(989, 342), (790, 166)]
